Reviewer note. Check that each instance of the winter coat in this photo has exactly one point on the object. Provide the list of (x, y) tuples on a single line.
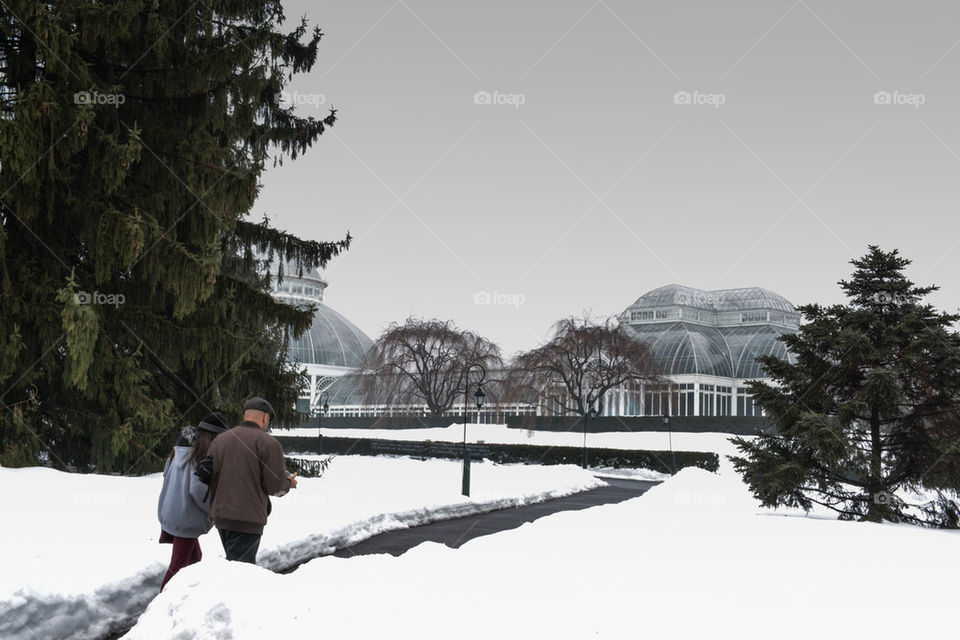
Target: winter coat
[(248, 466), (182, 510)]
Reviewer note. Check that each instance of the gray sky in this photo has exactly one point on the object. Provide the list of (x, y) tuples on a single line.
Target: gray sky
[(587, 181)]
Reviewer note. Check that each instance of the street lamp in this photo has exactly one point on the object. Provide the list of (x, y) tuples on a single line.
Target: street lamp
[(323, 410), (673, 462), (478, 397), (592, 413)]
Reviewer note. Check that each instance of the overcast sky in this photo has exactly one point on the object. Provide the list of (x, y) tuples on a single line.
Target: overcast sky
[(568, 156)]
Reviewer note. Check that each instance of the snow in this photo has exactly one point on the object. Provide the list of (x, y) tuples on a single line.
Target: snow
[(629, 473), (81, 552), (694, 557), (500, 433)]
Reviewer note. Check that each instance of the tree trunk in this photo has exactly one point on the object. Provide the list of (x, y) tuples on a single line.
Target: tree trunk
[(879, 497)]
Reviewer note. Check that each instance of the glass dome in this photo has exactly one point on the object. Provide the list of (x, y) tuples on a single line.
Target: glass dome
[(718, 333), (331, 340), (673, 295), (751, 298), (680, 348), (746, 343), (347, 390)]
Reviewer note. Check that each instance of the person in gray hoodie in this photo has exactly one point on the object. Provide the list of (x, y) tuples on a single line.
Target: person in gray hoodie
[(184, 505)]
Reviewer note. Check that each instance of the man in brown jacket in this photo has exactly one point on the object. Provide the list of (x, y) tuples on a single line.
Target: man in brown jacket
[(247, 468)]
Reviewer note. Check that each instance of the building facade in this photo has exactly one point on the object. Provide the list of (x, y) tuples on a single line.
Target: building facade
[(705, 343)]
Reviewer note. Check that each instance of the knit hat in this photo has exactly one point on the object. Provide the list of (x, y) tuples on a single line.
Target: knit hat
[(187, 435), (214, 422)]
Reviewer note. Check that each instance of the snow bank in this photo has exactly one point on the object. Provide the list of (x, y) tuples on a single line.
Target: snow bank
[(80, 553), (693, 557)]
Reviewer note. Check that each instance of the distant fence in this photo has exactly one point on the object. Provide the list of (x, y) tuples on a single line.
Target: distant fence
[(736, 425)]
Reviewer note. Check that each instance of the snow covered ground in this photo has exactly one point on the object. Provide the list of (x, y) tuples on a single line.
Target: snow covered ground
[(693, 558), (79, 552), (500, 433)]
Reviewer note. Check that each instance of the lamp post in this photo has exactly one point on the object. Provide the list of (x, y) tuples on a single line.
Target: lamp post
[(323, 410), (673, 462), (478, 397), (592, 413)]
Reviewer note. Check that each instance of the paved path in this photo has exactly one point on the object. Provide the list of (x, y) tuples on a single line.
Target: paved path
[(454, 533)]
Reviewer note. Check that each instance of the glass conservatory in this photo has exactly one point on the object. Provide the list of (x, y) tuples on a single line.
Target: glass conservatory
[(706, 343), (332, 347)]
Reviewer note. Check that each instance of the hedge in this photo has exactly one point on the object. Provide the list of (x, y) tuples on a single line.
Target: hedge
[(505, 453)]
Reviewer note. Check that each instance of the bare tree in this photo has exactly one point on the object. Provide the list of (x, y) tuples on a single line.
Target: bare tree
[(426, 362), (578, 366)]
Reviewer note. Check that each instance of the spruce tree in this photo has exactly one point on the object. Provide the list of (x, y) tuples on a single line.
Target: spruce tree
[(866, 417), (133, 138)]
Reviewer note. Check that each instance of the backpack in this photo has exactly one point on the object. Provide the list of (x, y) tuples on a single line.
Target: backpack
[(204, 470)]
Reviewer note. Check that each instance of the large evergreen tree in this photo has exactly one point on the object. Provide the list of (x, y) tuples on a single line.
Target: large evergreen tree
[(867, 416), (133, 136)]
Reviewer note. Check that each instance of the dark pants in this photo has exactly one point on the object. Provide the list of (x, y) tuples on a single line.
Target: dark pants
[(186, 551), (239, 546)]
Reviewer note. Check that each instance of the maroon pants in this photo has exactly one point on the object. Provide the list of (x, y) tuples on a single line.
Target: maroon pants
[(186, 551)]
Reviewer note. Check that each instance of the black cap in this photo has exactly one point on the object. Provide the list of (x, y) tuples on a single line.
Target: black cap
[(260, 405), (214, 422)]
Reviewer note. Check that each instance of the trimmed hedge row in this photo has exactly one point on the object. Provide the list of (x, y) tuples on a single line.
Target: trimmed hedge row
[(505, 453), (737, 425)]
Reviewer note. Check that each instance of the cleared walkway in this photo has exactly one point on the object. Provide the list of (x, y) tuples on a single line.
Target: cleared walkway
[(454, 533)]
